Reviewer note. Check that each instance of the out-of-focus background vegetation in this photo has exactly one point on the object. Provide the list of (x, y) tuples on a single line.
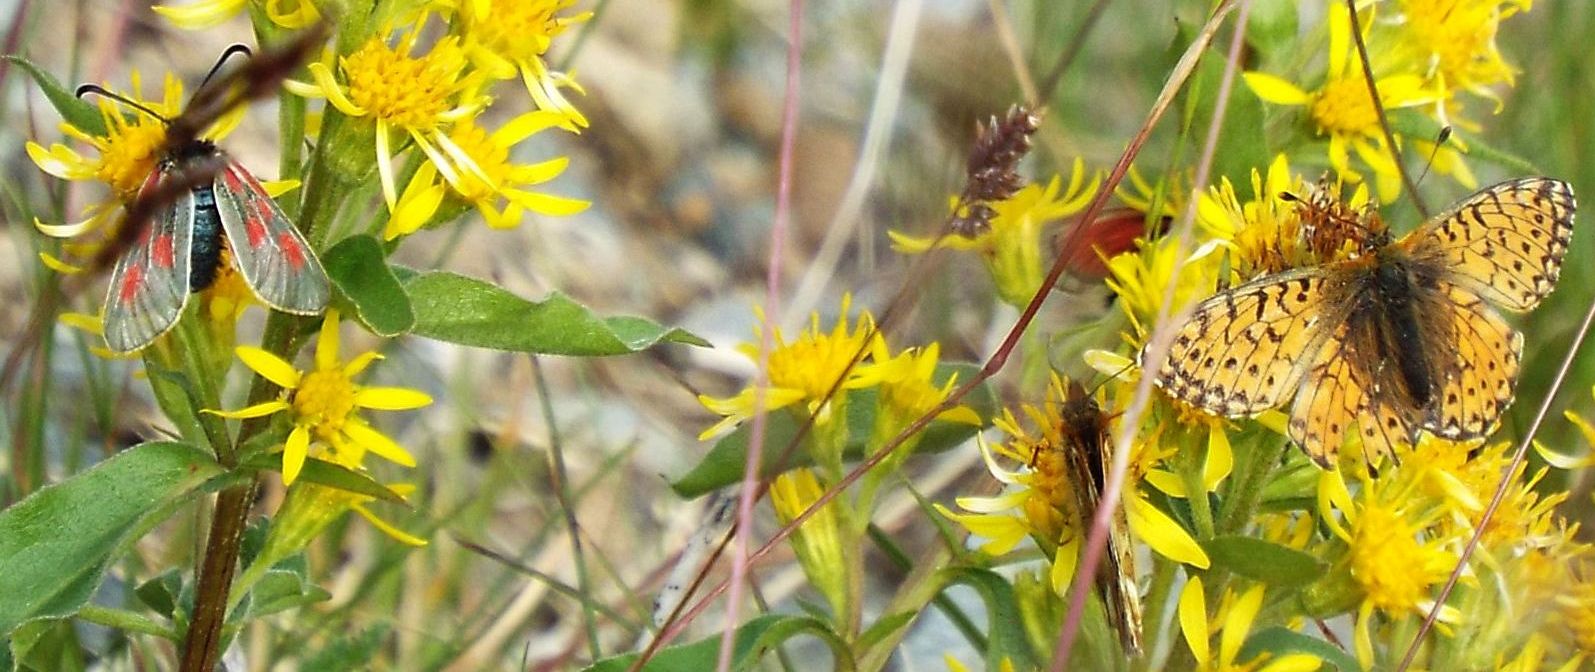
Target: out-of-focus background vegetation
[(685, 101)]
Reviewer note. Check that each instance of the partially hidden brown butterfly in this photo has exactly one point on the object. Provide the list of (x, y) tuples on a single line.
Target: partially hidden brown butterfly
[(1084, 432), (1396, 337)]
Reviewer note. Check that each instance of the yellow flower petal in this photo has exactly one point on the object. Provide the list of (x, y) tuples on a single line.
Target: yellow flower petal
[(359, 363), (1193, 619), (397, 534), (1220, 458), (1064, 564), (1002, 532), (294, 452), (269, 366), (1165, 536), (390, 398), (1166, 482), (1238, 623), (1275, 90), (553, 206), (327, 344), (1002, 502), (376, 442), (200, 15), (258, 410), (327, 86)]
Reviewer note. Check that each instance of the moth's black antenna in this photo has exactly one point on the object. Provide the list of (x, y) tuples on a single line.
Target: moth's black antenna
[(101, 91), (1093, 391), (1439, 141), (232, 50)]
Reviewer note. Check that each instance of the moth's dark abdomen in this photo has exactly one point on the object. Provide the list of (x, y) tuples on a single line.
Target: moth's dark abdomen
[(207, 251), (1404, 336)]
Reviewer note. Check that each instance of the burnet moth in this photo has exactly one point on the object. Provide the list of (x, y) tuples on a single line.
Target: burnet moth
[(204, 202)]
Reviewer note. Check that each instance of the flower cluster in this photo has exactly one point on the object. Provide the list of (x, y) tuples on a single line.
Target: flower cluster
[(1426, 56)]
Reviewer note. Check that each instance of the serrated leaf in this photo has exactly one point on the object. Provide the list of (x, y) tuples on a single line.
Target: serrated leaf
[(726, 461), (753, 639), (367, 287), (1264, 561), (1278, 641), (467, 311), (56, 544), (328, 474), (73, 110)]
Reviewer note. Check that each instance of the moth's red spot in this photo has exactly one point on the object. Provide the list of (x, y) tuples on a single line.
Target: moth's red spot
[(255, 228), (131, 280), (1114, 232), (234, 184), (161, 252), (291, 250)]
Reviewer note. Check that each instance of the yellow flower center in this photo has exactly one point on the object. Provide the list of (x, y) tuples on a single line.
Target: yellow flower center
[(814, 362), (1345, 107), (1460, 34), (128, 155), (520, 30), (408, 92), (1393, 568), (1579, 610), (324, 400), (491, 157)]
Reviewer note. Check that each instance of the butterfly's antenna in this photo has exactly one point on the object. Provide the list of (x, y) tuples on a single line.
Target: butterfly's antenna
[(1439, 141), (101, 91), (232, 50), (1093, 391)]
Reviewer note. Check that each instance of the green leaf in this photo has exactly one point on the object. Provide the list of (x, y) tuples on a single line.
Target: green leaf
[(56, 544), (1272, 28), (1264, 561), (282, 588), (1278, 641), (1242, 145), (348, 652), (329, 474), (884, 626), (753, 640), (73, 110), (1417, 125), (160, 593), (367, 287), (725, 462), (1006, 634), (467, 311)]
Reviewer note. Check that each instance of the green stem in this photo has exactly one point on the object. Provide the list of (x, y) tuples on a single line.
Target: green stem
[(960, 620), (125, 621), (562, 491), (1196, 495), (1157, 598)]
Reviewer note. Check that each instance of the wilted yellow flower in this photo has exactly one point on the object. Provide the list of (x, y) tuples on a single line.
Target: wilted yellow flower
[(818, 541)]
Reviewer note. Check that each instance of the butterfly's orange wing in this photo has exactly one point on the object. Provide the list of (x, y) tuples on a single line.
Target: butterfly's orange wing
[(1504, 243), (1245, 350), (1478, 365)]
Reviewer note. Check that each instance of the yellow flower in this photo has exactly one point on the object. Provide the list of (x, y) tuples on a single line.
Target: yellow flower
[(1342, 108), (420, 96), (506, 38), (1577, 603), (1141, 280), (803, 370), (1233, 622), (1455, 41), (1014, 246), (324, 403), (497, 179), (1043, 503), (818, 542), (1264, 232), (291, 14)]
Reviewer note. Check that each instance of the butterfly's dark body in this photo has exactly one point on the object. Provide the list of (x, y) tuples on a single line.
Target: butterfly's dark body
[(1391, 298), (206, 255)]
